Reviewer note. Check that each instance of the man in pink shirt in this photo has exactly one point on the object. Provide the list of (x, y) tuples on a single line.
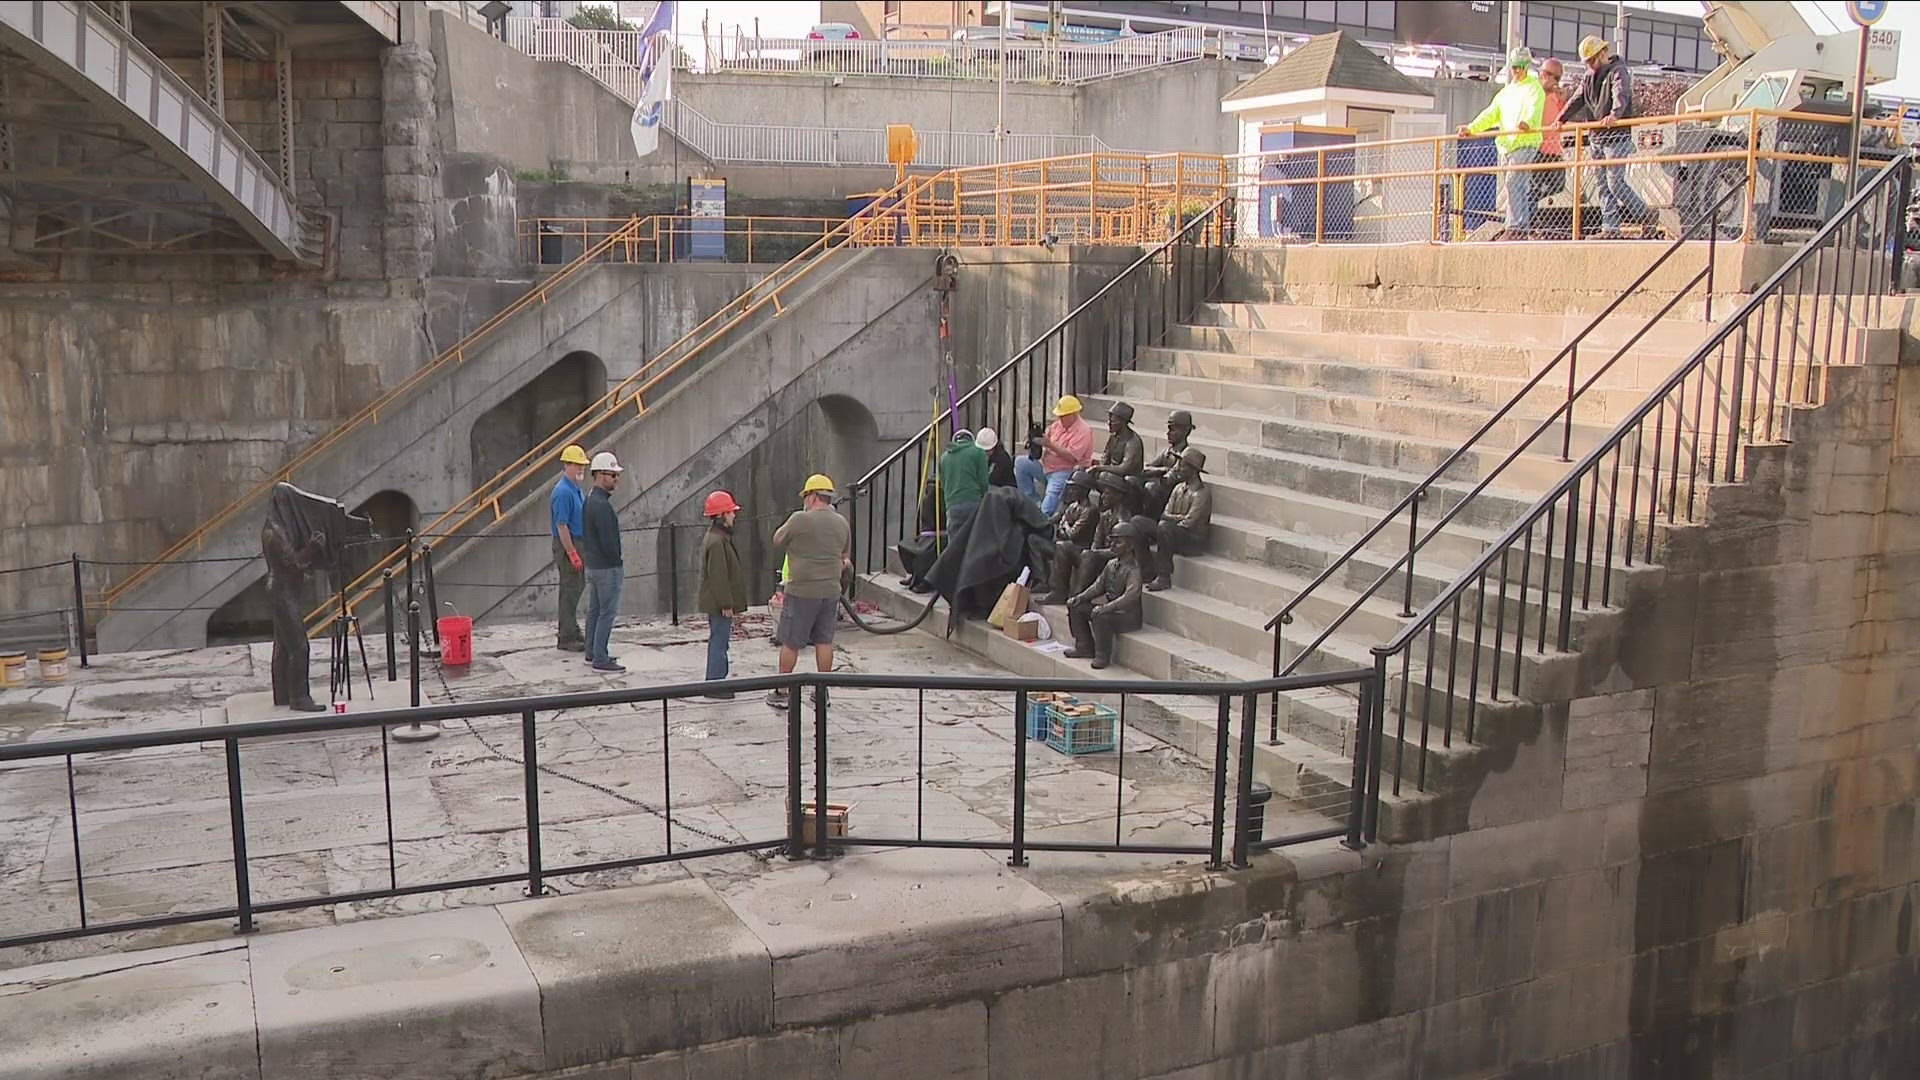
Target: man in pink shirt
[(1066, 446)]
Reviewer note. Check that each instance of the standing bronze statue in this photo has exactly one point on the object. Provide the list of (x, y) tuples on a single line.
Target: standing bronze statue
[(302, 531)]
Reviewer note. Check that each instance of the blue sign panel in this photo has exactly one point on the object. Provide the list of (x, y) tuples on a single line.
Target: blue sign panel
[(1866, 12), (707, 225)]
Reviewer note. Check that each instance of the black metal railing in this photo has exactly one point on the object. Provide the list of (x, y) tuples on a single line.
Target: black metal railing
[(1735, 390), (1565, 368), (805, 830), (1077, 355)]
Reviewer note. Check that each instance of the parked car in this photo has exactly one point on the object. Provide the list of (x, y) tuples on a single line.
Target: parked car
[(828, 42)]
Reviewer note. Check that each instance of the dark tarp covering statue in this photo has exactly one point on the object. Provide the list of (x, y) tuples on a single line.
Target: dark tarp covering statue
[(987, 554), (302, 531)]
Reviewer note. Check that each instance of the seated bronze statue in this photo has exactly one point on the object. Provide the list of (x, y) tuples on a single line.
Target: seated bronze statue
[(1111, 604), (1159, 471), (1073, 528), (1187, 519), (1126, 453), (1119, 503)]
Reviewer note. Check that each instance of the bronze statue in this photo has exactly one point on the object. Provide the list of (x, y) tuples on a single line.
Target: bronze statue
[(1126, 453), (1159, 471), (1110, 605), (1073, 528), (1188, 517), (302, 530)]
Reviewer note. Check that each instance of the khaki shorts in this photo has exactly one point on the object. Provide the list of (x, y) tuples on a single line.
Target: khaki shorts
[(806, 620)]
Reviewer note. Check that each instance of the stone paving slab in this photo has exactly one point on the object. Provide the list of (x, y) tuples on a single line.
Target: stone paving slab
[(154, 831)]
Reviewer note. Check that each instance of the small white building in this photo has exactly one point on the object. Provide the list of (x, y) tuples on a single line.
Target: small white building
[(1332, 92)]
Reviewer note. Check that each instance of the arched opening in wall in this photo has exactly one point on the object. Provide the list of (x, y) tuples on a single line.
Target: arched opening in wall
[(392, 513), (553, 397), (837, 435)]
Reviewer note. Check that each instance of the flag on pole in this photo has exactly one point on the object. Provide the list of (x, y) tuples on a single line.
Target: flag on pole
[(656, 79)]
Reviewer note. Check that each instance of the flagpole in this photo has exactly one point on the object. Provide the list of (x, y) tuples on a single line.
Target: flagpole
[(672, 54)]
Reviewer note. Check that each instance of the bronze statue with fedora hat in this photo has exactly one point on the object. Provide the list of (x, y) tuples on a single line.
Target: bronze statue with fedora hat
[(1188, 518)]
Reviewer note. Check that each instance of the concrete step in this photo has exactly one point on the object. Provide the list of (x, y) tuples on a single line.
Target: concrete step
[(1262, 514), (1639, 367), (1674, 334), (1382, 445), (1601, 404)]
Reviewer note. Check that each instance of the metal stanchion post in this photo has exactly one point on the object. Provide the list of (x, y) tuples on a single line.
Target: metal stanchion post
[(673, 572), (79, 611), (393, 658), (415, 731), (433, 596)]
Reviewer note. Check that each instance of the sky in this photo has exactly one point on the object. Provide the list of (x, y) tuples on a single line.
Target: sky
[(791, 18)]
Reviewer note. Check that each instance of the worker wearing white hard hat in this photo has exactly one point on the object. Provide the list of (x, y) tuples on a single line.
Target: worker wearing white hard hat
[(606, 569)]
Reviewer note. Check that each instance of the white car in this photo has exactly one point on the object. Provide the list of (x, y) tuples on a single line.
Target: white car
[(826, 41)]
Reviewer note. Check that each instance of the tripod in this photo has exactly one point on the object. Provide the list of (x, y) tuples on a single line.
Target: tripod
[(340, 666)]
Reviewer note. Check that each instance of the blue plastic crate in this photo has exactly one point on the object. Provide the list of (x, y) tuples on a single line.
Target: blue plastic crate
[(1089, 734), (1038, 714)]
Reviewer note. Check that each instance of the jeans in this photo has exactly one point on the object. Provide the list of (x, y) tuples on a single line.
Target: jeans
[(1616, 195), (1029, 477), (572, 583), (603, 603), (1519, 187), (959, 514), (719, 634)]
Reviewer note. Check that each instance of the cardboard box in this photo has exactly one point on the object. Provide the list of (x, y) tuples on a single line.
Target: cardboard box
[(837, 815)]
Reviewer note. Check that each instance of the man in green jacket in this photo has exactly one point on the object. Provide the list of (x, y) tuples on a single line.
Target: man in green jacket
[(1518, 112), (963, 481), (723, 585)]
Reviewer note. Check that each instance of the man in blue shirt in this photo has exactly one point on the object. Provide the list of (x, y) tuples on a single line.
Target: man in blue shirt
[(606, 570), (566, 508)]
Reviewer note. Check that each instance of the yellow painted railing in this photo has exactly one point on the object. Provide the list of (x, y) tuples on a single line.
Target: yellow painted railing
[(1411, 190), (370, 415), (665, 236)]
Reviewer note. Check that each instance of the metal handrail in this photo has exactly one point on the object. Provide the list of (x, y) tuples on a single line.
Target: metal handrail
[(1633, 420), (803, 811), (1569, 352), (371, 412), (629, 391), (1205, 219)]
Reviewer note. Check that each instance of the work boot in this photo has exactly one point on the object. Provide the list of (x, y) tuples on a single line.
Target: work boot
[(306, 704), (572, 646), (1045, 598), (1080, 651), (1102, 662), (1160, 584)]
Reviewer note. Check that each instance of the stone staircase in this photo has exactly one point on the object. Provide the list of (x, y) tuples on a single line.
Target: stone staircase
[(1317, 421)]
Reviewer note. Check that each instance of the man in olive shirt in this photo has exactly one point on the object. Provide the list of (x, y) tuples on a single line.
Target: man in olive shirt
[(819, 544)]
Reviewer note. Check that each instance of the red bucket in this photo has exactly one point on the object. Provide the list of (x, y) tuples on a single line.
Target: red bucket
[(456, 640)]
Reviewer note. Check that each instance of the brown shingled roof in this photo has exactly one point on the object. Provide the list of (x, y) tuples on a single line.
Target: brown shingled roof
[(1330, 60)]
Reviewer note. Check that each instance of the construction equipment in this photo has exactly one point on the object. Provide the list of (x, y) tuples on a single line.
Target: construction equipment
[(1773, 63)]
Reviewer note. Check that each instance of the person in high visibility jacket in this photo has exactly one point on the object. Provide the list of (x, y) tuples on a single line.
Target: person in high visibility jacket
[(1518, 112)]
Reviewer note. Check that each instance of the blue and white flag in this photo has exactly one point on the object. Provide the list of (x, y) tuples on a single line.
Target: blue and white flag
[(656, 79)]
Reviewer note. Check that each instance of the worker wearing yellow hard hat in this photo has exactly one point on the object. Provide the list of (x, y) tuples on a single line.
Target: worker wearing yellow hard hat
[(1606, 98), (819, 549), (1052, 454), (566, 512)]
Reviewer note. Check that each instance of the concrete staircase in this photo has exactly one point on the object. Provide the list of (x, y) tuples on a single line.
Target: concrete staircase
[(1317, 421), (417, 446)]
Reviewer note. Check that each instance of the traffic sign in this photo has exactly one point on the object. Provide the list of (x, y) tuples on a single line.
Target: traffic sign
[(1866, 12)]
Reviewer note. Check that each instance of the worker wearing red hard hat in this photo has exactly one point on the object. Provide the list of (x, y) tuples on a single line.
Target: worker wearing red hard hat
[(723, 585)]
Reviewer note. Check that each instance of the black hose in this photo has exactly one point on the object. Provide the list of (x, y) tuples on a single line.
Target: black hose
[(847, 606)]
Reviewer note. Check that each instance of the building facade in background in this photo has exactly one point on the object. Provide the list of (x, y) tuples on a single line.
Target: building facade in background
[(904, 19), (1550, 27)]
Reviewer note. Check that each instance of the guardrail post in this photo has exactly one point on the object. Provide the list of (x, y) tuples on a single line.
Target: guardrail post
[(79, 612), (529, 754), (1223, 719), (1019, 855), (413, 652), (1362, 761), (1242, 823), (1413, 539), (433, 594), (386, 592), (1375, 738), (673, 572), (1898, 280), (237, 823), (796, 799), (821, 849)]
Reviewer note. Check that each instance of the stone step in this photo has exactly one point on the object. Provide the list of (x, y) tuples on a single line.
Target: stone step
[(1386, 433), (1638, 367), (1262, 514), (1601, 404), (1677, 335)]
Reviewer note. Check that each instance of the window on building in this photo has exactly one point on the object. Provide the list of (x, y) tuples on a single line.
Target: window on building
[(1639, 45), (1566, 37), (1290, 9), (1321, 10), (1539, 32), (1663, 48), (1352, 12), (1380, 14)]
